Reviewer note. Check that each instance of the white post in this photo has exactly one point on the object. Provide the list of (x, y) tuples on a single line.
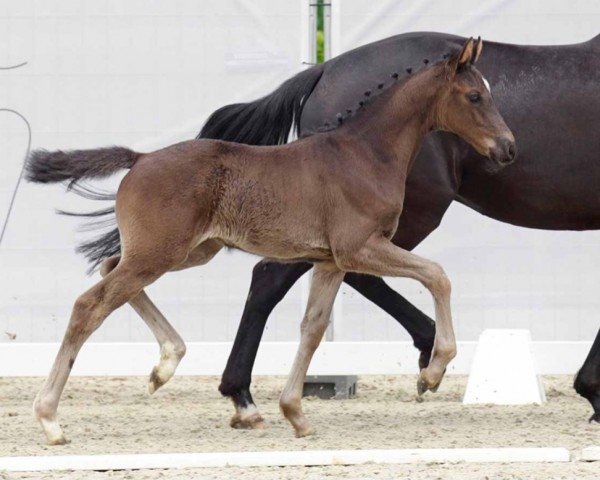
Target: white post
[(504, 370)]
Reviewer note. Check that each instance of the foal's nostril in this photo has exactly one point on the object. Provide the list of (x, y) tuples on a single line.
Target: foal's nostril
[(512, 151), (505, 151)]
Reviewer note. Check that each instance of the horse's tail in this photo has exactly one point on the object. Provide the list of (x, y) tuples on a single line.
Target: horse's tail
[(73, 166), (268, 120)]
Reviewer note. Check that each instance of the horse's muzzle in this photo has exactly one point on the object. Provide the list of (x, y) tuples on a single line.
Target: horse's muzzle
[(504, 151)]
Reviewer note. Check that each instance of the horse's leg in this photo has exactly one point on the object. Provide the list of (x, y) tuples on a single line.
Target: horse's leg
[(587, 381), (381, 257), (420, 327), (270, 282), (324, 286), (172, 346), (89, 311)]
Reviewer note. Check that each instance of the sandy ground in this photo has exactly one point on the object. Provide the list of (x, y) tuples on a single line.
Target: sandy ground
[(116, 415)]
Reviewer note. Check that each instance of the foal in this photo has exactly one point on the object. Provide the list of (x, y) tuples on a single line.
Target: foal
[(333, 198)]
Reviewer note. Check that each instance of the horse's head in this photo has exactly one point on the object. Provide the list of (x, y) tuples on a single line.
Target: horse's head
[(466, 107)]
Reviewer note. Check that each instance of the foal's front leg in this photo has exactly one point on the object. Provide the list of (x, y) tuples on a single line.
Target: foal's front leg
[(324, 286), (381, 257)]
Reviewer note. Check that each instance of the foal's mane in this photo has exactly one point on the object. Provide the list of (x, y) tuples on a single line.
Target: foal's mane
[(396, 79)]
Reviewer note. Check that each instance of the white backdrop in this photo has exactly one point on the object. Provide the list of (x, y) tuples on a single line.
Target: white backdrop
[(137, 73), (146, 74)]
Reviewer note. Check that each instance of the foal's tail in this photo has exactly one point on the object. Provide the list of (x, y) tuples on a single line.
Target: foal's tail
[(266, 121), (72, 166)]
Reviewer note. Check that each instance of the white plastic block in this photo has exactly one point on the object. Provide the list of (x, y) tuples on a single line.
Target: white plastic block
[(591, 454), (504, 370)]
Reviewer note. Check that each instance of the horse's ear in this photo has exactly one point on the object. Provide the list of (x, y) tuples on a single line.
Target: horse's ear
[(477, 50), (462, 58)]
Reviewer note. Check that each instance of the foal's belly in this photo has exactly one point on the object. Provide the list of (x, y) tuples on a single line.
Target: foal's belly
[(283, 249), (295, 244)]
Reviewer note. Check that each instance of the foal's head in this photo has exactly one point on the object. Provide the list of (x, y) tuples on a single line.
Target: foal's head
[(466, 107)]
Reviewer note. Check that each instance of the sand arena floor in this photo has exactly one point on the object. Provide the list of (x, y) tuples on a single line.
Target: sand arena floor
[(116, 415)]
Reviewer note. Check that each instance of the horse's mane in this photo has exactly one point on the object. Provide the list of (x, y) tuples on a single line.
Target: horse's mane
[(369, 95)]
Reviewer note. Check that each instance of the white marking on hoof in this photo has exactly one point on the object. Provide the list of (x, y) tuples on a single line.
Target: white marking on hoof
[(247, 418), (53, 432), (164, 371)]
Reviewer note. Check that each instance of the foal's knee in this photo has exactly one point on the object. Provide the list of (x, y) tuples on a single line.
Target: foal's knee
[(438, 282)]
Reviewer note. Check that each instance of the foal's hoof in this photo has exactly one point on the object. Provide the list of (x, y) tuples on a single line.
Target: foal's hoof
[(425, 382), (52, 429), (250, 422), (434, 389), (595, 418), (304, 431), (170, 357), (421, 387), (155, 382), (58, 441)]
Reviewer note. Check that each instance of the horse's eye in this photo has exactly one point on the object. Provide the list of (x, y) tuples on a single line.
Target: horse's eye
[(474, 97)]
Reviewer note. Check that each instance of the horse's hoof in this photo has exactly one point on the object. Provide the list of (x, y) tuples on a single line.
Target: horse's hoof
[(435, 388), (595, 418), (304, 431), (421, 387), (250, 422), (58, 441), (52, 429), (170, 356), (155, 382), (424, 384)]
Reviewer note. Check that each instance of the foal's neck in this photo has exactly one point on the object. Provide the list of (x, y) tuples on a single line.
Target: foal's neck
[(396, 122)]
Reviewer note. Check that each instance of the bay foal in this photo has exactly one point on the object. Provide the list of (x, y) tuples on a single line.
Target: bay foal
[(332, 198)]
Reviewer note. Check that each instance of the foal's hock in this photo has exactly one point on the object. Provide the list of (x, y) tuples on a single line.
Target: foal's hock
[(332, 198)]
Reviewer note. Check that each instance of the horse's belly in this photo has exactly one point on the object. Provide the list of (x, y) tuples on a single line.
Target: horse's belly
[(277, 243)]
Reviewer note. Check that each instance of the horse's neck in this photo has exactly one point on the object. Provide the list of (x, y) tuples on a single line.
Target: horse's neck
[(396, 125)]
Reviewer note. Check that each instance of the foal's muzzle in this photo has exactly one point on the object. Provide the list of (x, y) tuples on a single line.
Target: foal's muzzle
[(504, 151)]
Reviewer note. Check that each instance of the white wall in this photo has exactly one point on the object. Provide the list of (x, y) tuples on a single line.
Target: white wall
[(137, 73), (146, 74)]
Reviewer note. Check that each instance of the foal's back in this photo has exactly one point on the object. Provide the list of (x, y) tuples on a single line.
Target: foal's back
[(270, 200)]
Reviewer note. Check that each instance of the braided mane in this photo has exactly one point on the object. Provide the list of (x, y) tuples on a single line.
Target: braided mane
[(369, 95)]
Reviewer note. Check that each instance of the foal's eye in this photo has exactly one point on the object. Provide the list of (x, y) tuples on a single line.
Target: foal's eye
[(474, 97)]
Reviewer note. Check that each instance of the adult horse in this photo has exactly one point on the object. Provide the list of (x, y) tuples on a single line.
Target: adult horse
[(549, 98)]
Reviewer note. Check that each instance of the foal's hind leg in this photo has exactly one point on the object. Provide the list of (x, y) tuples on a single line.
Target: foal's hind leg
[(89, 311), (172, 347)]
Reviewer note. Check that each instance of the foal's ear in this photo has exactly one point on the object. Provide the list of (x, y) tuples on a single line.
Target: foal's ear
[(477, 50), (462, 58)]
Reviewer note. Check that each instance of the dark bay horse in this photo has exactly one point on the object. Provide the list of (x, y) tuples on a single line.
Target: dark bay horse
[(548, 96), (334, 199)]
